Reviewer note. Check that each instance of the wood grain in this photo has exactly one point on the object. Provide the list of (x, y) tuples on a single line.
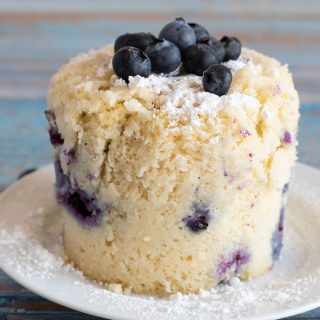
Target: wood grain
[(36, 37)]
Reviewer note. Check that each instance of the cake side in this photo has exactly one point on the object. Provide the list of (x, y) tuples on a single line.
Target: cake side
[(182, 189)]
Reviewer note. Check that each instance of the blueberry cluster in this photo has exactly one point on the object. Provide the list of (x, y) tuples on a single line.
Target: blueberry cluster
[(180, 48)]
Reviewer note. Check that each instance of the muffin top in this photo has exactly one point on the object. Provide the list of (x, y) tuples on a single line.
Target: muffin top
[(87, 87)]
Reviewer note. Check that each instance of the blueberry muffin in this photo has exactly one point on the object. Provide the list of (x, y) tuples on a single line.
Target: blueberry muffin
[(172, 159)]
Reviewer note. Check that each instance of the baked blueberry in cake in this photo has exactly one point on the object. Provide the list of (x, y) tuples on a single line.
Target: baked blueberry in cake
[(172, 157)]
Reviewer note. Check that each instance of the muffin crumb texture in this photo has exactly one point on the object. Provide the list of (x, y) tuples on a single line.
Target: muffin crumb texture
[(168, 188)]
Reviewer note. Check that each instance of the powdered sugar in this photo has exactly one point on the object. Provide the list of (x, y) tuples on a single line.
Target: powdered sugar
[(235, 65), (27, 257), (183, 99)]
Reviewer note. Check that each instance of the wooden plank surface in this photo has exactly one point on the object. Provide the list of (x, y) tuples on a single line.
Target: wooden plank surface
[(36, 37)]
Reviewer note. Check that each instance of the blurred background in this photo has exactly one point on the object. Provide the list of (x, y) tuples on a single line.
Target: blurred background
[(36, 37)]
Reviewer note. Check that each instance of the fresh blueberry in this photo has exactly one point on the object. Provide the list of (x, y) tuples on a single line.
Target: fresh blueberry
[(180, 33), (216, 46), (200, 31), (26, 172), (198, 58), (130, 61), (138, 40), (199, 219), (164, 55), (55, 136), (217, 79), (232, 46), (77, 202), (232, 265), (277, 237)]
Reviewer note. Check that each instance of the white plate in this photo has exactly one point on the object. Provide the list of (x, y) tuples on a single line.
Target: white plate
[(31, 253)]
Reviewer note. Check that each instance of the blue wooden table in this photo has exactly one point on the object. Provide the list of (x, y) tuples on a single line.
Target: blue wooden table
[(36, 37)]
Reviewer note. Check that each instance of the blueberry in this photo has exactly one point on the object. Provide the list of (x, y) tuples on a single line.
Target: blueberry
[(217, 79), (198, 58), (138, 40), (180, 33), (130, 61), (200, 31), (55, 136), (232, 46), (26, 172), (77, 202), (287, 137), (199, 219), (232, 265), (276, 241), (164, 55), (216, 46), (83, 207)]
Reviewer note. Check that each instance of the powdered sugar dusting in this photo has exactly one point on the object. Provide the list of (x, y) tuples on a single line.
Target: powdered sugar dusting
[(235, 65), (183, 99), (27, 256)]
